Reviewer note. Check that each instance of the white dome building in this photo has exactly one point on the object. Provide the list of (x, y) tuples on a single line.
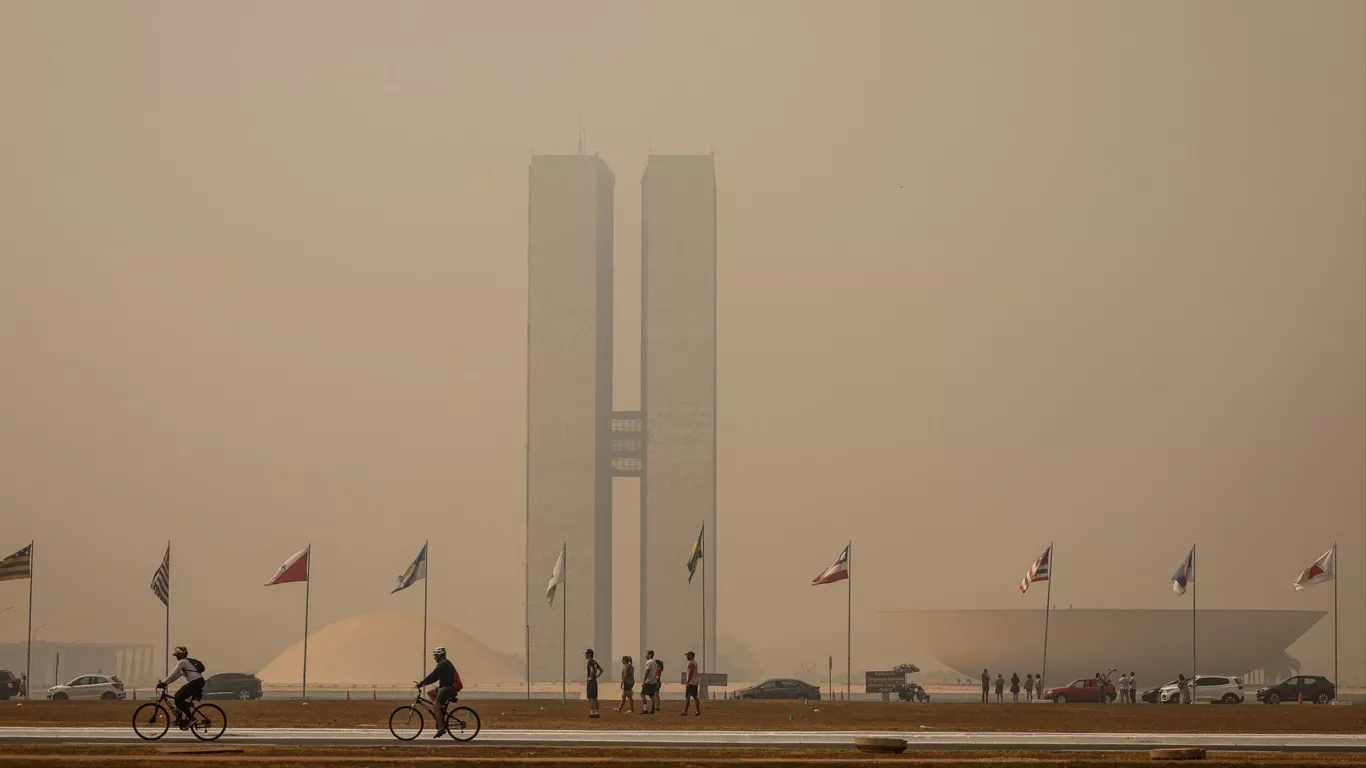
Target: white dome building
[(382, 649)]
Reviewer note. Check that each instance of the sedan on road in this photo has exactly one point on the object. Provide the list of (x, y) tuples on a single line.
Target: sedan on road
[(781, 689), (1212, 689), (232, 685)]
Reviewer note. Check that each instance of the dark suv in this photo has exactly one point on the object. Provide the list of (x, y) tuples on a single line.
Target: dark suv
[(9, 684), (1318, 690), (232, 685)]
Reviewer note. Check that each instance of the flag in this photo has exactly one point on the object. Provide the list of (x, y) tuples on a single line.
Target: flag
[(294, 569), (556, 579), (838, 571), (1319, 571), (415, 572), (1185, 574), (1038, 571), (18, 565), (696, 553), (161, 580)]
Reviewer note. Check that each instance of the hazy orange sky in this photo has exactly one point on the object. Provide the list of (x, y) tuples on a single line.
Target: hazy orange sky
[(991, 275)]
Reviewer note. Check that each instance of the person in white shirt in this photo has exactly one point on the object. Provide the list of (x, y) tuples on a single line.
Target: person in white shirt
[(649, 690), (1124, 689), (193, 672)]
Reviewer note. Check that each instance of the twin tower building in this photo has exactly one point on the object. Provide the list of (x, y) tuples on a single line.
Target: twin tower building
[(577, 443)]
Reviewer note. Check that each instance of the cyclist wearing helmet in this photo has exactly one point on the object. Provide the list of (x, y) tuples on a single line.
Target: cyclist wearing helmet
[(447, 687), (193, 688)]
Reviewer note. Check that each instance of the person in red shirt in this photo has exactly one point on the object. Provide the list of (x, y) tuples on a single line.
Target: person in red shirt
[(694, 682)]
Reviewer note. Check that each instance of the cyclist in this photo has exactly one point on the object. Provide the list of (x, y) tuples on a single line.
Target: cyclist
[(447, 686), (193, 672)]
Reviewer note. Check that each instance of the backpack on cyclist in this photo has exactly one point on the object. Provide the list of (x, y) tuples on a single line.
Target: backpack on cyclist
[(456, 684), (197, 664)]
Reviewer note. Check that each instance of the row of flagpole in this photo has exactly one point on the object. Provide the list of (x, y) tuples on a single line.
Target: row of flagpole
[(298, 568), (1319, 571)]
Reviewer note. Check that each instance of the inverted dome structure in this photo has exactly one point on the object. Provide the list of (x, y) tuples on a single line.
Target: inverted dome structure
[(1154, 643), (382, 649)]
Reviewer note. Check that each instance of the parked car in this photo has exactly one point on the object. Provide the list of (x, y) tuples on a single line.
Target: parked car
[(89, 687), (232, 685), (1083, 689), (1319, 690), (1153, 695), (9, 685), (781, 689), (1213, 689)]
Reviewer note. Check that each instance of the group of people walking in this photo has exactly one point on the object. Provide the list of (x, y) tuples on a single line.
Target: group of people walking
[(1032, 687), (650, 685)]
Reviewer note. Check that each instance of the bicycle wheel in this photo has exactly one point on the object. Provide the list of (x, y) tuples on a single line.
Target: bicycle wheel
[(462, 723), (208, 722), (151, 721), (406, 723)]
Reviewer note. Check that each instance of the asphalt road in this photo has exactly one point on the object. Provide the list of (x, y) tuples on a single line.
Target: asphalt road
[(752, 739)]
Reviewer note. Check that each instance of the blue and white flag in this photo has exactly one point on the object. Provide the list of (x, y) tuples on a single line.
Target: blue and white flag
[(1185, 574), (415, 572)]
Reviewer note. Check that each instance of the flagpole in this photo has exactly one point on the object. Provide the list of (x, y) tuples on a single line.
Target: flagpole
[(166, 660), (1336, 683), (703, 553), (1191, 578), (849, 626), (564, 626), (426, 579), (1047, 611), (28, 658), (308, 587)]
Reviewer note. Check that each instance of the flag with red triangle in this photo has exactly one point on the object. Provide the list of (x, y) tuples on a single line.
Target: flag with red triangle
[(1319, 571), (294, 569)]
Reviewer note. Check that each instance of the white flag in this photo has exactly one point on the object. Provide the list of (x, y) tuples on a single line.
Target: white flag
[(556, 579), (1319, 571)]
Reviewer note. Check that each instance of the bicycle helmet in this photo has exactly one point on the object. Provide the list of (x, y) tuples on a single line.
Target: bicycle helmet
[(440, 650)]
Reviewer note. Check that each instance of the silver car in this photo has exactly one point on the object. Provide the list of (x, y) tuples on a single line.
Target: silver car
[(89, 687)]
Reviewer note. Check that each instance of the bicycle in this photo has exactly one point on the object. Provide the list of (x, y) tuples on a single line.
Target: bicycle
[(407, 722), (153, 719)]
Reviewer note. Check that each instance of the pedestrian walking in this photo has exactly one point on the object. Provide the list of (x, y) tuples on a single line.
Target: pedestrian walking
[(594, 671), (1029, 688), (986, 687), (694, 682), (1133, 688), (1038, 687), (1000, 686), (628, 684), (649, 689), (1015, 686), (1184, 686)]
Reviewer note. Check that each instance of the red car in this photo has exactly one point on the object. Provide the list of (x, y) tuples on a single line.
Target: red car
[(1079, 690)]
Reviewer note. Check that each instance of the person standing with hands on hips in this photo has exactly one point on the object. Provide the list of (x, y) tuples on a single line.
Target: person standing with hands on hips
[(594, 670)]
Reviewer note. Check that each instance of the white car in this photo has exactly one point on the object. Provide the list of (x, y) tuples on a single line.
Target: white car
[(89, 687), (1212, 689)]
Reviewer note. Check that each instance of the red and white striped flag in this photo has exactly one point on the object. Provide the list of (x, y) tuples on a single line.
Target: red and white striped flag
[(838, 571), (1038, 571), (161, 580)]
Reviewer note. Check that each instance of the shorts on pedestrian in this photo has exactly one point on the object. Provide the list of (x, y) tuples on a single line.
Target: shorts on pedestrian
[(628, 687), (692, 692), (592, 689), (649, 689)]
